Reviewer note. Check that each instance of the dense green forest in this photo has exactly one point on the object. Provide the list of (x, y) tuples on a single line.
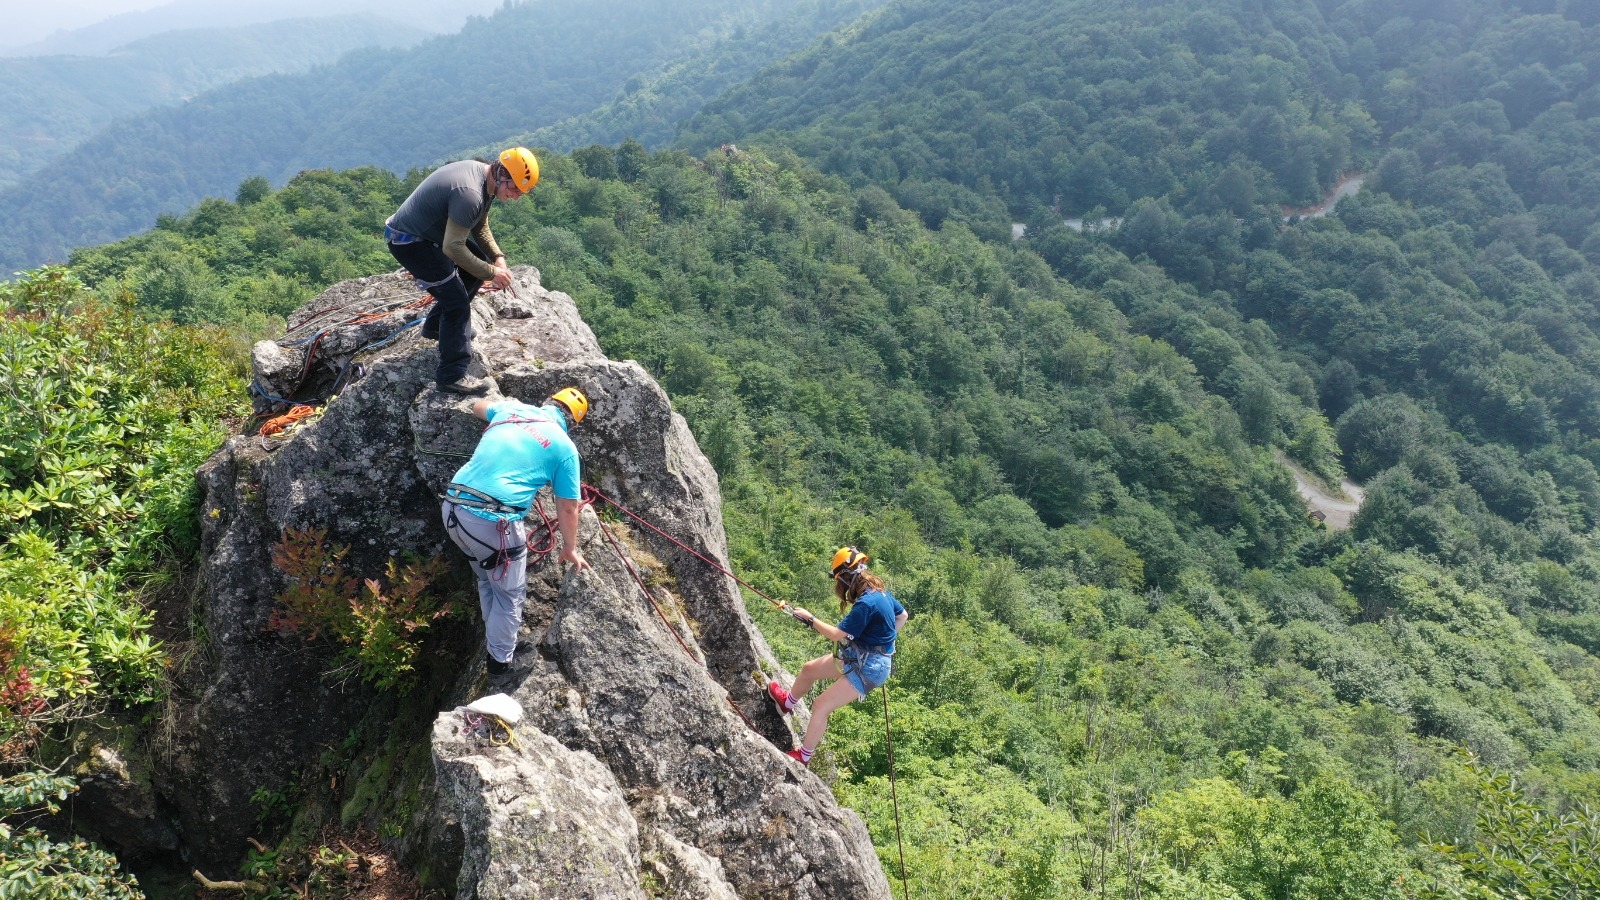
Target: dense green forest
[(1447, 313), (50, 103), (1216, 106), (1137, 668), (529, 65), (652, 104)]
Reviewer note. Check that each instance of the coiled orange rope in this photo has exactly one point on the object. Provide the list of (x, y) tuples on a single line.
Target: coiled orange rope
[(281, 423)]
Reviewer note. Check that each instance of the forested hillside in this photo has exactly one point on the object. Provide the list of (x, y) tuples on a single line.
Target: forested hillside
[(527, 66), (652, 105), (1445, 316), (1082, 105), (50, 103), (1137, 665), (76, 31)]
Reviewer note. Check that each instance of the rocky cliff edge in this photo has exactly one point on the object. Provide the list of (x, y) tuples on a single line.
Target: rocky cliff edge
[(640, 769)]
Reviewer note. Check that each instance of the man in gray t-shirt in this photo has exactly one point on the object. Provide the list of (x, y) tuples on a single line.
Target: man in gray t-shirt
[(441, 235)]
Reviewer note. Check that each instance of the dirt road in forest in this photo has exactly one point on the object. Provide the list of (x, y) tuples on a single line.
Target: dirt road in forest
[(1338, 510), (1348, 185)]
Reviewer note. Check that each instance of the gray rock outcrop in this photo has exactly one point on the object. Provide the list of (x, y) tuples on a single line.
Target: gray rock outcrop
[(639, 769)]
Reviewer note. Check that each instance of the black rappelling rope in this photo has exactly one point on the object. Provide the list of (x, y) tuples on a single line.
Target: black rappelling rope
[(894, 793)]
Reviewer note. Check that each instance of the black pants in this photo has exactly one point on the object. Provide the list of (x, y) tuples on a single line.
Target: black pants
[(450, 317)]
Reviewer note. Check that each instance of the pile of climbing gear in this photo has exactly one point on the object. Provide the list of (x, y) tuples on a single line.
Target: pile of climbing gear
[(491, 719), (282, 427), (309, 334)]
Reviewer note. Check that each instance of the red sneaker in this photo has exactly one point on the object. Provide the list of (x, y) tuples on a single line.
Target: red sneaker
[(801, 756), (786, 702)]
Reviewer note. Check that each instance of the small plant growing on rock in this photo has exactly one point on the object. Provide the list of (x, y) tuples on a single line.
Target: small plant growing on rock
[(381, 626)]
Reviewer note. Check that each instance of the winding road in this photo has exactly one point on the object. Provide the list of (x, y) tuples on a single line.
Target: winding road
[(1337, 511)]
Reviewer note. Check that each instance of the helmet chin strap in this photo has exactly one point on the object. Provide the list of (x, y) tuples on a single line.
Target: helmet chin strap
[(851, 576)]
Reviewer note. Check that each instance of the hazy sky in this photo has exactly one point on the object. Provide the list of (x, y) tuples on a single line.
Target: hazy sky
[(24, 22), (28, 21)]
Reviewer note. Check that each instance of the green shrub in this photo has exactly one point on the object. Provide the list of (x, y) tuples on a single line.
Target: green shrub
[(1522, 847), (104, 416), (33, 865), (380, 627)]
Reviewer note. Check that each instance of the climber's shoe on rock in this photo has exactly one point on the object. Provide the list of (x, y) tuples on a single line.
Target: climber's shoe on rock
[(785, 701), (467, 384), (801, 755), (503, 676)]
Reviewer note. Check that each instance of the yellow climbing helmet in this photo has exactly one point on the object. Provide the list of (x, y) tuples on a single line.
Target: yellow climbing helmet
[(576, 404), (848, 559), (522, 166)]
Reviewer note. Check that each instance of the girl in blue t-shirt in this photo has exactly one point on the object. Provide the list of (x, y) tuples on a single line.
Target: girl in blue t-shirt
[(873, 617)]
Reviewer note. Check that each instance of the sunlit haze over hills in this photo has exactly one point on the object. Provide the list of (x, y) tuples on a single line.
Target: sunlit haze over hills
[(89, 27)]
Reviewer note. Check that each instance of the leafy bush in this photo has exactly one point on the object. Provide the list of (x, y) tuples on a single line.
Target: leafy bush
[(1522, 847), (381, 628), (34, 865), (104, 416), (1325, 842)]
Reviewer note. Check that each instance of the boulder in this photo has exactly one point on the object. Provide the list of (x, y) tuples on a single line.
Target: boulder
[(537, 819)]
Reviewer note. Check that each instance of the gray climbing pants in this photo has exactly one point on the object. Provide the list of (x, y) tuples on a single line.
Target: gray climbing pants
[(499, 554)]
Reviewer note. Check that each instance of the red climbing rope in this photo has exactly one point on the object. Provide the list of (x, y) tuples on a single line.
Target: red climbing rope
[(638, 579), (592, 493), (541, 541)]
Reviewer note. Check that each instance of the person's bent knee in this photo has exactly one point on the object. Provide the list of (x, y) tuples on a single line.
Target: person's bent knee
[(821, 667)]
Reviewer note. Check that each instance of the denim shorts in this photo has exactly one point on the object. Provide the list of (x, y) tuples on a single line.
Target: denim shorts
[(865, 670)]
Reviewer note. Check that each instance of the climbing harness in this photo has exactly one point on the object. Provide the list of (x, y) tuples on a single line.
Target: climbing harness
[(461, 495), (500, 556)]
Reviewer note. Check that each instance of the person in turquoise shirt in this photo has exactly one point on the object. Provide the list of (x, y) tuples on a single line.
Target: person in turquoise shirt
[(524, 449), (868, 631)]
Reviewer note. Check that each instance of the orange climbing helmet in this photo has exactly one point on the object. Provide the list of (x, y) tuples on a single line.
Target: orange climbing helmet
[(573, 401), (848, 560), (522, 166)]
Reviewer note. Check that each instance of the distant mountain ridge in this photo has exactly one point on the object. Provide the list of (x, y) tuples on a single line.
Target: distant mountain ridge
[(526, 67), (106, 35), (50, 103)]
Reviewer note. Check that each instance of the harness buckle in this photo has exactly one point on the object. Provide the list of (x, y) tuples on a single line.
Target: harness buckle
[(471, 499)]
